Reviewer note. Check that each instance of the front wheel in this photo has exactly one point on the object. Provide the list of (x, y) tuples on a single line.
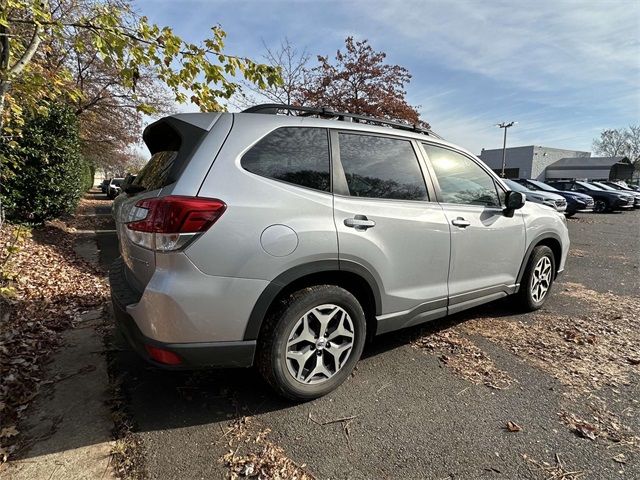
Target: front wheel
[(537, 279), (600, 206), (311, 341)]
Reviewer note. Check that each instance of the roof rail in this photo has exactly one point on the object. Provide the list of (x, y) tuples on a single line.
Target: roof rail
[(275, 108)]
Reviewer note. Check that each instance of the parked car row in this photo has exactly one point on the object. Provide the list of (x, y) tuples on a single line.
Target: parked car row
[(573, 196), (605, 200), (114, 186)]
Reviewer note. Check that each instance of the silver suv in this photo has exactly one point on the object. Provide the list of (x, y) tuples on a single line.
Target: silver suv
[(286, 241)]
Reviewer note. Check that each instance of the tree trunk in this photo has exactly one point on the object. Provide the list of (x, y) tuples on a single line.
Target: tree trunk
[(4, 73)]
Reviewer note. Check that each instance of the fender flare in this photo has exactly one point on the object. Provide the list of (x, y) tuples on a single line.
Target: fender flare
[(534, 243), (279, 283)]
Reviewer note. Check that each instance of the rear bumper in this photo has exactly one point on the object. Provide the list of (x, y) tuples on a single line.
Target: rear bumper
[(192, 355)]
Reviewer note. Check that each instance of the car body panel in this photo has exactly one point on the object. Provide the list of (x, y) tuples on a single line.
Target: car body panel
[(474, 265), (400, 227)]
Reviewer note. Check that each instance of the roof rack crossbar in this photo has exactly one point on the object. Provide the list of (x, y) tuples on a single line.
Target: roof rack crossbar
[(274, 108)]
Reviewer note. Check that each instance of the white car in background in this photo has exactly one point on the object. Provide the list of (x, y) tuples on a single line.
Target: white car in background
[(553, 200)]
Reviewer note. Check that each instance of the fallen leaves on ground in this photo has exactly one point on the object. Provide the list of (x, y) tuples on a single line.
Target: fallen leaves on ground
[(512, 427), (557, 471), (252, 455), (86, 217), (598, 421), (586, 351), (463, 357), (52, 288)]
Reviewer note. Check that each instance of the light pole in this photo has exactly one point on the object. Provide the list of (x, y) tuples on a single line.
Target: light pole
[(504, 125)]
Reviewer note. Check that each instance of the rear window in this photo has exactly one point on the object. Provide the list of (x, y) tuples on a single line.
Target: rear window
[(171, 143), (298, 155), (155, 173)]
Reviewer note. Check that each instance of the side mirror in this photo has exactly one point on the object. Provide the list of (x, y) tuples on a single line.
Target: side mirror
[(514, 201)]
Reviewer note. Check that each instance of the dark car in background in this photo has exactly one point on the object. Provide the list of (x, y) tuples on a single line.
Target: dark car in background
[(576, 202), (604, 200), (614, 186)]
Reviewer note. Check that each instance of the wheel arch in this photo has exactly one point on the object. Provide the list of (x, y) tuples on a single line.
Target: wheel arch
[(351, 276), (549, 239)]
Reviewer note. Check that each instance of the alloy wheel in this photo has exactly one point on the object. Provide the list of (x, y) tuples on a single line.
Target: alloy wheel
[(541, 279), (320, 344), (600, 206)]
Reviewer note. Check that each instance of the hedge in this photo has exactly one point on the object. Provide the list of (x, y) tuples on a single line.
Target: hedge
[(45, 175)]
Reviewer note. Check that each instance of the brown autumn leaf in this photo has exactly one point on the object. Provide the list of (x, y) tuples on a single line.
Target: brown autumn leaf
[(586, 430), (512, 427), (8, 432)]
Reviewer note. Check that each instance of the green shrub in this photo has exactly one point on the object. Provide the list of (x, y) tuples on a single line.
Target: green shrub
[(44, 176), (88, 172)]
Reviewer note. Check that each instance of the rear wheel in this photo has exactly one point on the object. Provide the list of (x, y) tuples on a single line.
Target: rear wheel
[(310, 343), (537, 279)]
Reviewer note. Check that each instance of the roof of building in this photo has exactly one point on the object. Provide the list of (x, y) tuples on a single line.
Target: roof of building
[(579, 162)]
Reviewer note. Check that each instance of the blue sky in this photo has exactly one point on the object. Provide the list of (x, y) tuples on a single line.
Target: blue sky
[(564, 70)]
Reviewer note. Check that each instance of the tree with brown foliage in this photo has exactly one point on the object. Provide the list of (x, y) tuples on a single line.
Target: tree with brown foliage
[(361, 82)]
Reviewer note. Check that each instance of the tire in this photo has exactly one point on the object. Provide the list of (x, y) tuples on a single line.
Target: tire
[(289, 348), (569, 215), (600, 206), (529, 297)]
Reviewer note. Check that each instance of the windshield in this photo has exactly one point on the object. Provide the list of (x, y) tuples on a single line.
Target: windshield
[(117, 181), (536, 185), (603, 186), (588, 186), (515, 186)]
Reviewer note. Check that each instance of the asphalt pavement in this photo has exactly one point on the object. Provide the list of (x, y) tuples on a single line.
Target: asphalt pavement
[(413, 417)]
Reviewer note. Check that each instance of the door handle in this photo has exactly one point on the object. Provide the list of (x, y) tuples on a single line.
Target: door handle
[(359, 222), (461, 222)]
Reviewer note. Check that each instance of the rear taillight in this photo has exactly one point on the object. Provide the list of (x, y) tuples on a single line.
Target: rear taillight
[(170, 223)]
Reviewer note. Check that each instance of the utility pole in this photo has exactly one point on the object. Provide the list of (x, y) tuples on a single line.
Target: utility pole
[(505, 125)]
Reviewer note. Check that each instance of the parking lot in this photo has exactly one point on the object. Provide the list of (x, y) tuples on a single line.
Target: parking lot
[(486, 394)]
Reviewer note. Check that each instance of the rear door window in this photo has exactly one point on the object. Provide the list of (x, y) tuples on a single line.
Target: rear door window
[(297, 155), (381, 167)]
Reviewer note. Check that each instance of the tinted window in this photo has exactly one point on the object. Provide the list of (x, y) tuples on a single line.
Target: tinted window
[(515, 186), (379, 167), (535, 185), (461, 179), (587, 186), (155, 173), (294, 155)]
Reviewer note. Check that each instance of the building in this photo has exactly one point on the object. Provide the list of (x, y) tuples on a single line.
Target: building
[(544, 163), (593, 168)]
